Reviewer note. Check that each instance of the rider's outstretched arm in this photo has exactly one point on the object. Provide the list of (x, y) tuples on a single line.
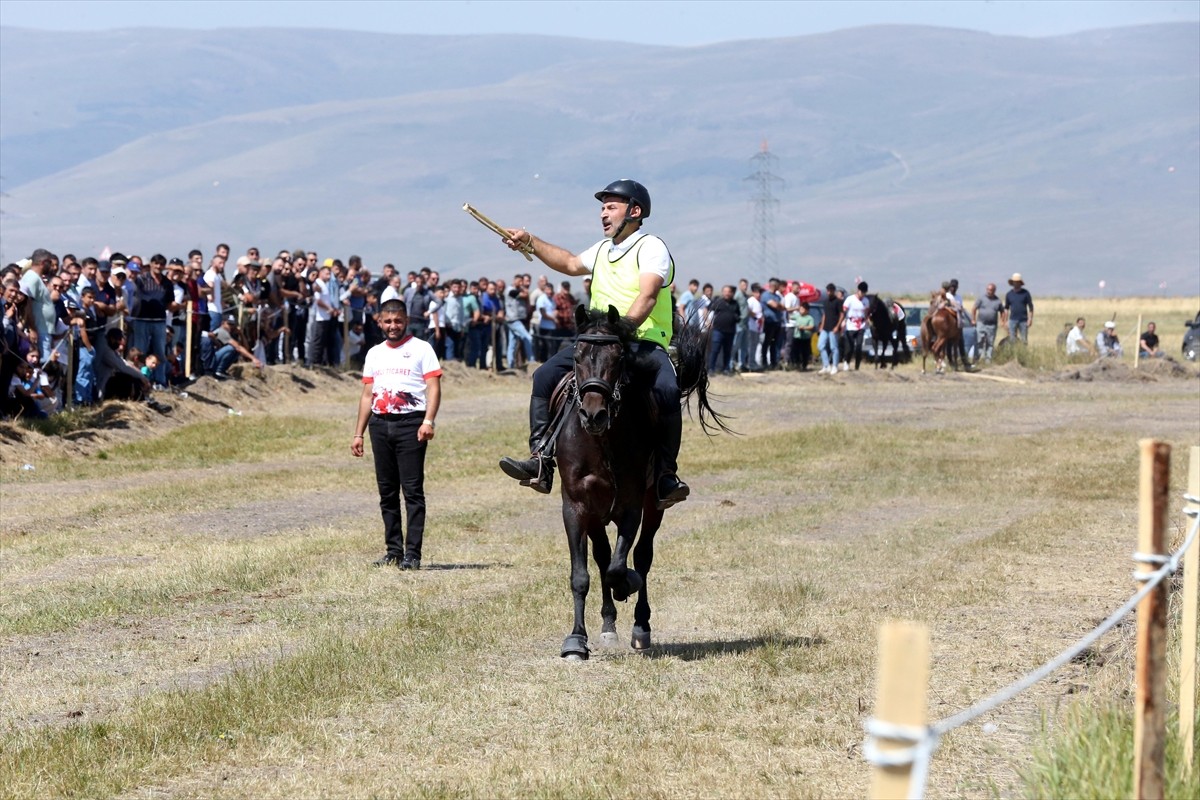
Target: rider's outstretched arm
[(553, 256)]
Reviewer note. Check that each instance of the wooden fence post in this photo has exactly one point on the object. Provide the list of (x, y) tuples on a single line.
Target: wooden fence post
[(1191, 596), (189, 330), (1137, 343), (900, 698), (69, 382), (1149, 724)]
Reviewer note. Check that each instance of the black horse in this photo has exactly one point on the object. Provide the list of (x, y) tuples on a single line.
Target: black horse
[(888, 326), (606, 463)]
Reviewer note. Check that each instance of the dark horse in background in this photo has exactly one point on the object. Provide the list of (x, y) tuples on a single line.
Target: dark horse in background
[(606, 463), (888, 326)]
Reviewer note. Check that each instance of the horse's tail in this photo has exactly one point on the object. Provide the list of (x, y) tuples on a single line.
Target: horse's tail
[(691, 355)]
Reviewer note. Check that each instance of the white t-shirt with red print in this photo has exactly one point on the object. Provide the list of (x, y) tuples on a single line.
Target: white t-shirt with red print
[(397, 374)]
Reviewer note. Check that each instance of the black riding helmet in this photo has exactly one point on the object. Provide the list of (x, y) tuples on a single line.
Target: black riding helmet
[(632, 191)]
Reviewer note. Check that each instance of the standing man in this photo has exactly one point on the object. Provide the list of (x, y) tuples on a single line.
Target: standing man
[(686, 307), (1018, 304), (33, 284), (987, 315), (772, 309), (516, 312), (754, 314), (152, 294), (723, 314), (855, 307), (741, 357), (399, 405), (632, 272), (831, 327)]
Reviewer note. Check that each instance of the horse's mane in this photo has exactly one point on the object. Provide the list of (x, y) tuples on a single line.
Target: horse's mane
[(597, 321)]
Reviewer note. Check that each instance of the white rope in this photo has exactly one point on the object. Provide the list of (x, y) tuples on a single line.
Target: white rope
[(924, 741)]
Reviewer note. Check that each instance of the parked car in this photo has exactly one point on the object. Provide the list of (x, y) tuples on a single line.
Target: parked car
[(1191, 339)]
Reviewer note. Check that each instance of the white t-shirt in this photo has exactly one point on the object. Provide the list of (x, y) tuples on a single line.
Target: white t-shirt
[(390, 293), (1075, 342), (397, 374), (856, 313), (754, 307), (215, 281), (653, 257), (790, 303), (322, 301)]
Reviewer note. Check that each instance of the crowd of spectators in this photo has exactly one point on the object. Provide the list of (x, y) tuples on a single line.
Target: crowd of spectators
[(120, 327), (117, 327)]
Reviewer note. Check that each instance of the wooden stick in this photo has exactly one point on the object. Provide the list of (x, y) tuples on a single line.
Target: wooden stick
[(900, 697), (997, 378), (1149, 723), (1191, 596), (526, 248)]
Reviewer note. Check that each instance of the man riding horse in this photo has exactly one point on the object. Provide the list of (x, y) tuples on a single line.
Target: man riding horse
[(631, 271)]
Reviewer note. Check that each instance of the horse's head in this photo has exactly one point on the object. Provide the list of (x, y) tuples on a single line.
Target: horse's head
[(600, 366)]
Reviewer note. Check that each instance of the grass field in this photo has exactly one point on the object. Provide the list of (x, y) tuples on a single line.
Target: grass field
[(190, 612)]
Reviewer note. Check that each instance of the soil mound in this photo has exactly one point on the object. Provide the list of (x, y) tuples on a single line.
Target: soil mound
[(1115, 371)]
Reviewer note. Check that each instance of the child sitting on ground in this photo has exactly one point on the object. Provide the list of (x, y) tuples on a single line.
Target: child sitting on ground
[(149, 366)]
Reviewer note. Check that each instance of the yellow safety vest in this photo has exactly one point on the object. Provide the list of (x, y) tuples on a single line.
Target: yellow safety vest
[(616, 283)]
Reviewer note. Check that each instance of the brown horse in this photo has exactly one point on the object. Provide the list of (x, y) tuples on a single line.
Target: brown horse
[(941, 336)]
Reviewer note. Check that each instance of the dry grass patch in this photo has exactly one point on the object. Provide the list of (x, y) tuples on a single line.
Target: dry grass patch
[(1001, 514)]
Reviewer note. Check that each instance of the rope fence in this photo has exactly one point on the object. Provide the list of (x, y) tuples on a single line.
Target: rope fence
[(900, 743)]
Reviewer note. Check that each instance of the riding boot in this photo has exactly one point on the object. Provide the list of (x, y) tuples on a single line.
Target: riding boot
[(670, 488), (537, 471)]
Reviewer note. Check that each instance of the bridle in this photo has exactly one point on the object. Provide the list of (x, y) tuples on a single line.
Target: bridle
[(611, 392)]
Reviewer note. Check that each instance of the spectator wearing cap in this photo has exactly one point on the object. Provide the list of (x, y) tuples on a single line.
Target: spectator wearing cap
[(122, 286), (152, 293), (1107, 343), (228, 348), (33, 284), (1018, 304)]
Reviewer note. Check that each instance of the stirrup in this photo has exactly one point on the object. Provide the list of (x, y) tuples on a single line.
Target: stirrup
[(536, 472)]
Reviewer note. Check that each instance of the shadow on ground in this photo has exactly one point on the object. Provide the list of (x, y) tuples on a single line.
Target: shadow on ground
[(696, 651)]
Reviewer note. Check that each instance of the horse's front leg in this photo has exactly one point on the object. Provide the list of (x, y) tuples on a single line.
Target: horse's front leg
[(575, 645), (602, 554), (643, 558), (623, 580)]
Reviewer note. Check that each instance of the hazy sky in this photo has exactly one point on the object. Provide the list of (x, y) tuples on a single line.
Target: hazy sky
[(667, 22)]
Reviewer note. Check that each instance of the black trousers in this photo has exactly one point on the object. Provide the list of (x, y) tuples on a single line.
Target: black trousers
[(855, 340), (400, 468), (770, 347)]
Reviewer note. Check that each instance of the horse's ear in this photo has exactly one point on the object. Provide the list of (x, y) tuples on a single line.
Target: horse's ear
[(613, 315), (581, 315)]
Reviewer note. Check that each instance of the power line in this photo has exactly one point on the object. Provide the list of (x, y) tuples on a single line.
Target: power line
[(762, 236)]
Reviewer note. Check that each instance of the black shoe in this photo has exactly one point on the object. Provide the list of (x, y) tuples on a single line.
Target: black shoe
[(671, 490), (535, 472), (388, 561), (161, 408), (221, 376), (410, 563)]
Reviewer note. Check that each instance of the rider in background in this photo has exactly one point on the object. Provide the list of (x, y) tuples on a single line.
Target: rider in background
[(631, 271)]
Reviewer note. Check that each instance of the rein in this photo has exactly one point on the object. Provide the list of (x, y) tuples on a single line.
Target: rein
[(610, 392)]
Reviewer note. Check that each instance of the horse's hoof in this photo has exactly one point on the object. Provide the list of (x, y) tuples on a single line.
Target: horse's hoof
[(641, 639), (575, 648), (608, 639)]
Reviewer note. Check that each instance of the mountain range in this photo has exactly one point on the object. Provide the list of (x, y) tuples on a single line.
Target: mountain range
[(906, 155)]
